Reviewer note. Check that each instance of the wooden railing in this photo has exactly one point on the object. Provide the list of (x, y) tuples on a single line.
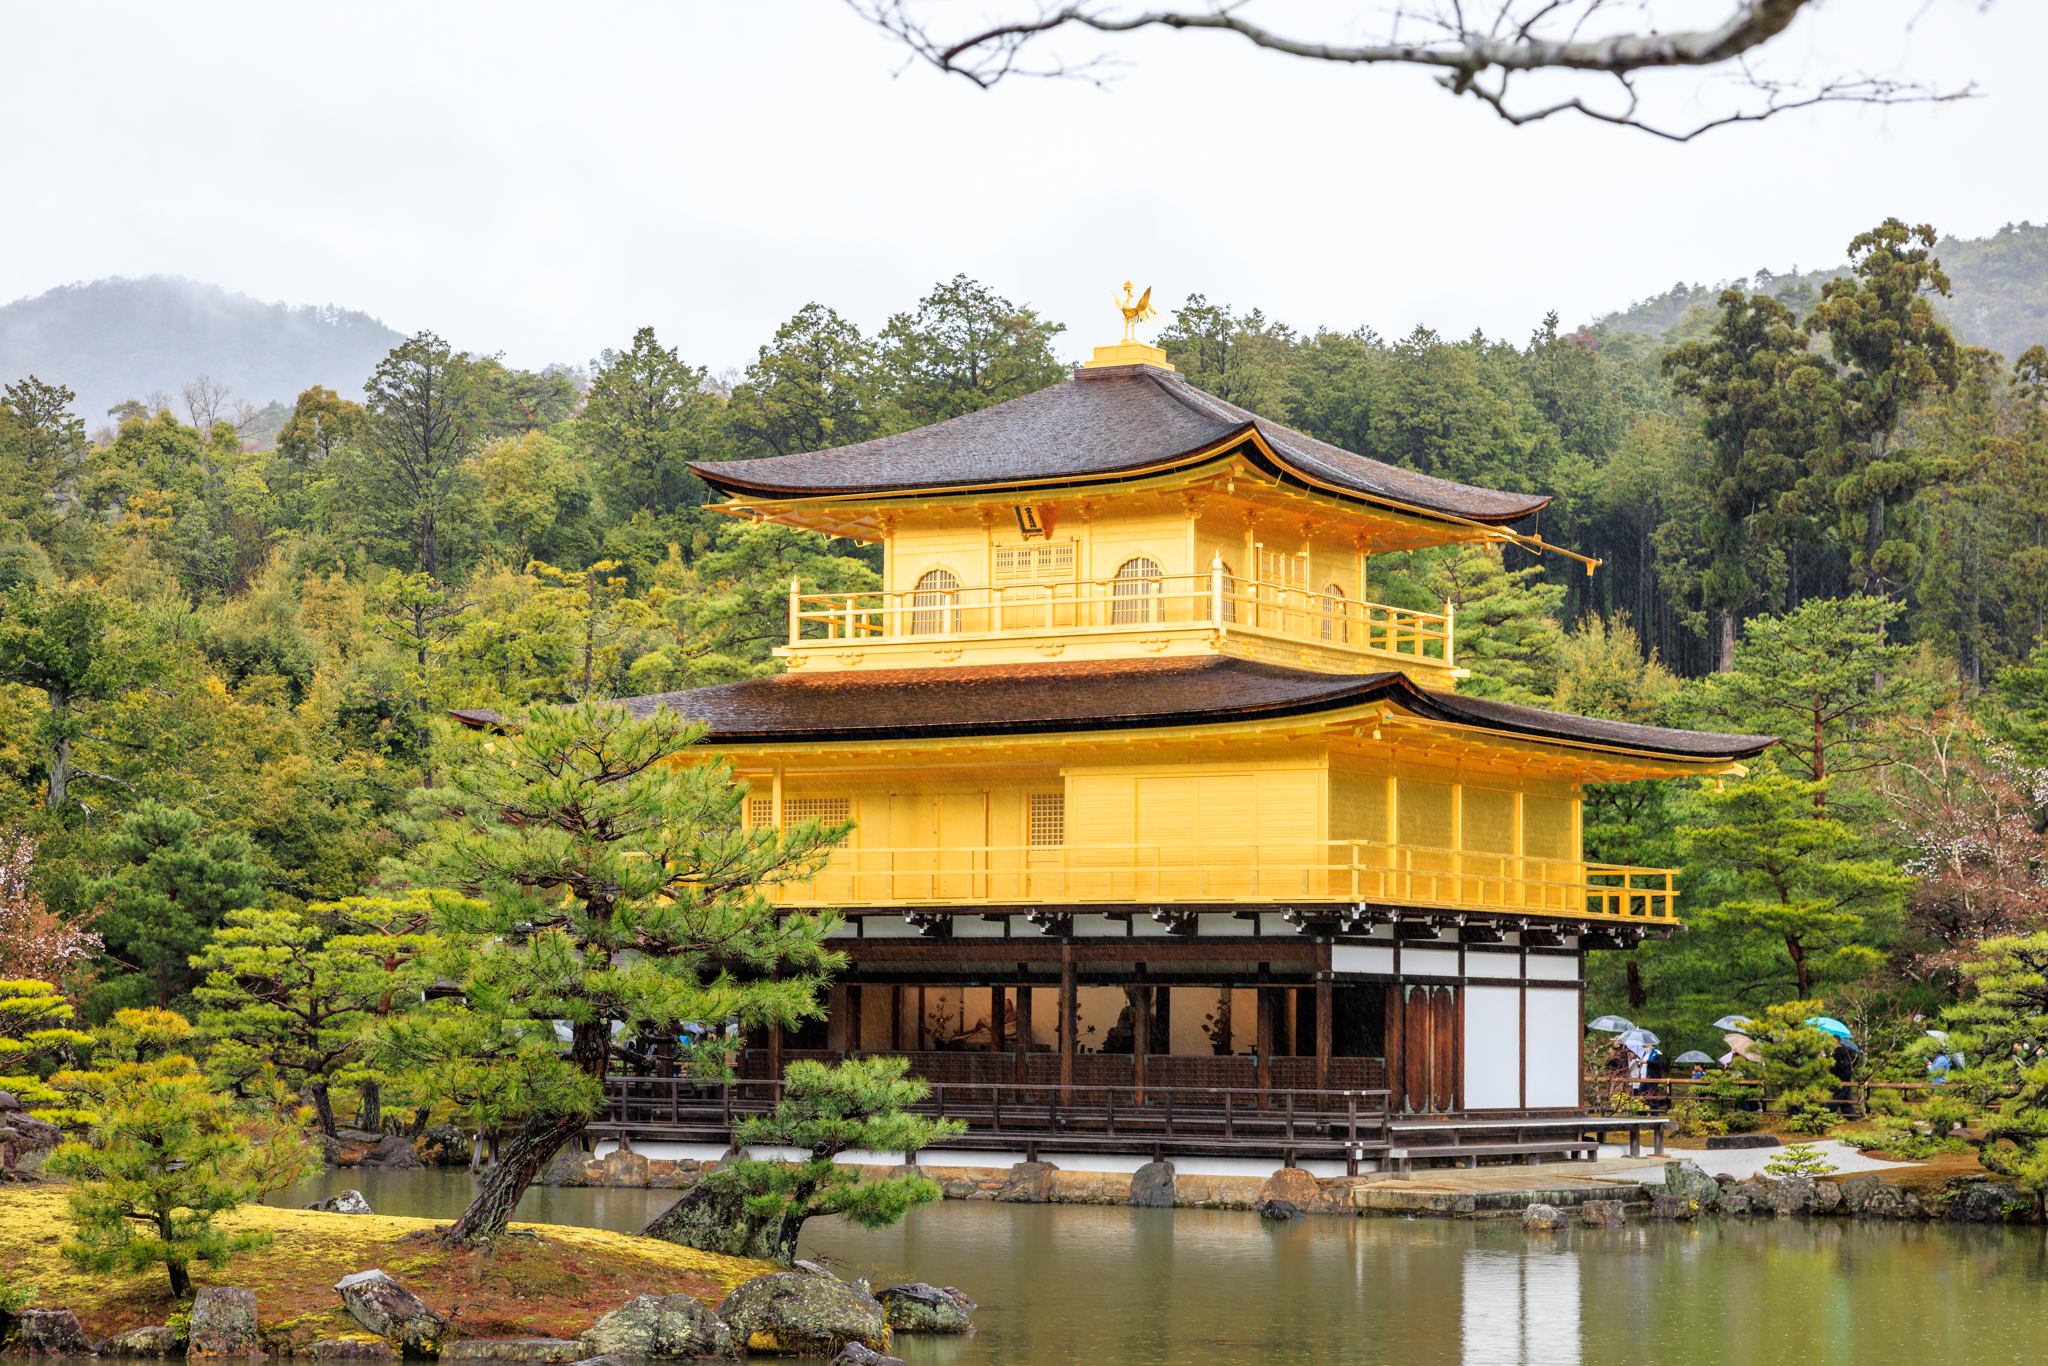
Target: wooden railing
[(1040, 1115), (1097, 606), (1288, 871)]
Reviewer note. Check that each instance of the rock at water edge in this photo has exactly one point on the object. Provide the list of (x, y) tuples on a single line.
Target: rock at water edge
[(351, 1349), (53, 1333), (389, 1310), (916, 1307), (392, 1153), (348, 1202), (513, 1349), (1279, 1211), (1687, 1180), (1986, 1203), (853, 1354), (786, 1313), (223, 1323), (1029, 1183), (155, 1341), (1601, 1213), (1674, 1207), (1541, 1218), (1152, 1186), (668, 1326), (1293, 1186)]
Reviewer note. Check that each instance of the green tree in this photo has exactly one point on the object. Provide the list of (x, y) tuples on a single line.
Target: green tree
[(647, 416), (161, 1161), (69, 642), (964, 349), (1820, 679), (617, 887), (172, 886), (41, 443), (421, 618), (276, 998), (1892, 348), (750, 1208), (35, 1026), (595, 606), (1754, 379), (1501, 625), (1796, 1058), (1778, 877), (2000, 1029), (321, 422), (816, 386), (408, 481)]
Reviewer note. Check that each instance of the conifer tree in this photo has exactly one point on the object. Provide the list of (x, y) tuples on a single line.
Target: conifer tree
[(2003, 1031), (616, 887), (755, 1208), (171, 886)]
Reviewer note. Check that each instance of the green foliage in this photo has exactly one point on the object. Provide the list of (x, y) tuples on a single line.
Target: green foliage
[(407, 482), (857, 1105), (814, 387), (612, 884), (1696, 1116), (2002, 1031), (964, 349), (162, 1160), (35, 1027), (647, 417), (1800, 1159), (1796, 1058), (67, 642), (173, 884)]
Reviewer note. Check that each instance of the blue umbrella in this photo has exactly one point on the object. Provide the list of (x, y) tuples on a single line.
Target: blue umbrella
[(1828, 1026)]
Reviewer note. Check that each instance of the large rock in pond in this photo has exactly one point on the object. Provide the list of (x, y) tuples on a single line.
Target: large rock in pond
[(716, 1221), (1602, 1213), (53, 1333), (1669, 1206), (223, 1324), (157, 1340), (392, 1153), (348, 1202), (651, 1328), (1292, 1185), (1544, 1218), (1688, 1181), (853, 1354), (1029, 1183), (389, 1310), (1793, 1195), (1152, 1186), (790, 1314), (916, 1307), (513, 1349)]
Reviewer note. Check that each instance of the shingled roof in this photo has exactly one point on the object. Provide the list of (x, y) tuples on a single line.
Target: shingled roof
[(1099, 424), (1056, 698)]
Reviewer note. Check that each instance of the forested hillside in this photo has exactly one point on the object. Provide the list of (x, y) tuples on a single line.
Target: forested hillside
[(1999, 296), (223, 660), (118, 339)]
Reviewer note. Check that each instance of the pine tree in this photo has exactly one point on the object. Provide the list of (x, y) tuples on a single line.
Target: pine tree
[(162, 1159), (755, 1208), (617, 887), (2001, 1030), (171, 887)]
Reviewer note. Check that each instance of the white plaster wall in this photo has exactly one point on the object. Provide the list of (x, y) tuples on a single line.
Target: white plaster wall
[(1431, 962), (1354, 958), (1553, 1068), (1553, 969), (1478, 964), (1493, 1055)]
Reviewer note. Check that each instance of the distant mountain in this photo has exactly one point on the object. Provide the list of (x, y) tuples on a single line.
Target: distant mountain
[(117, 339), (1998, 292)]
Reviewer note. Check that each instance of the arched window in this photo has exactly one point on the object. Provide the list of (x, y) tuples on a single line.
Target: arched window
[(1137, 581), (934, 592), (1331, 605)]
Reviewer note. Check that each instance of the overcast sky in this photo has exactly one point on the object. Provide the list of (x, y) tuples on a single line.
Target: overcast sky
[(543, 179)]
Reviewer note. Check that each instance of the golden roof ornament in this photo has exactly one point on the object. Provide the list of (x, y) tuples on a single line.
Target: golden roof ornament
[(1131, 351)]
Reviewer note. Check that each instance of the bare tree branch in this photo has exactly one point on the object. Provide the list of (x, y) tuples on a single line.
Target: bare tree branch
[(1474, 58)]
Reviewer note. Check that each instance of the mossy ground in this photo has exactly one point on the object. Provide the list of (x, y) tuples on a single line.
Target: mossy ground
[(552, 1284)]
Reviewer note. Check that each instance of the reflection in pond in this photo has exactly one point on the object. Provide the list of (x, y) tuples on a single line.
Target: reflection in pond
[(1521, 1306), (1112, 1286)]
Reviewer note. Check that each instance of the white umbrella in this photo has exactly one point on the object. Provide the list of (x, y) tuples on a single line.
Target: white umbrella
[(1737, 1022), (1692, 1055), (1612, 1024), (1640, 1038)]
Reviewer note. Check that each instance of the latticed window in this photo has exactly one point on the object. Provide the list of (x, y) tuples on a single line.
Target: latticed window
[(936, 589), (1137, 580), (1046, 823), (1332, 607), (824, 810), (1230, 587), (1034, 563)]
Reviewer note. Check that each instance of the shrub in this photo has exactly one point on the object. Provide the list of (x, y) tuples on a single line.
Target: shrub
[(1887, 1103), (1801, 1159), (1743, 1121), (1811, 1119), (1694, 1116)]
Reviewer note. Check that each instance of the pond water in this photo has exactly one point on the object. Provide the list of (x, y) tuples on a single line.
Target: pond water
[(1111, 1286)]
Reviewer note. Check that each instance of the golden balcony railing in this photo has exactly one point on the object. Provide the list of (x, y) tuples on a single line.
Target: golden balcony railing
[(1274, 872), (1125, 603)]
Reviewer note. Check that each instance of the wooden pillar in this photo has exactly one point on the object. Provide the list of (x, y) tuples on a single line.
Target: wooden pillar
[(853, 1013), (1392, 1033), (1067, 1019), (1141, 1035), (922, 1022), (1268, 1012), (1162, 1019), (1323, 1020), (896, 1018), (1024, 1028), (996, 1023), (775, 1051)]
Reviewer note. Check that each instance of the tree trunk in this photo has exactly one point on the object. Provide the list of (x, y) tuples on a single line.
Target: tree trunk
[(1799, 965), (1637, 992), (59, 790), (323, 1104), (1727, 664), (373, 1107), (419, 1122), (181, 1284), (1873, 541), (519, 1164)]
